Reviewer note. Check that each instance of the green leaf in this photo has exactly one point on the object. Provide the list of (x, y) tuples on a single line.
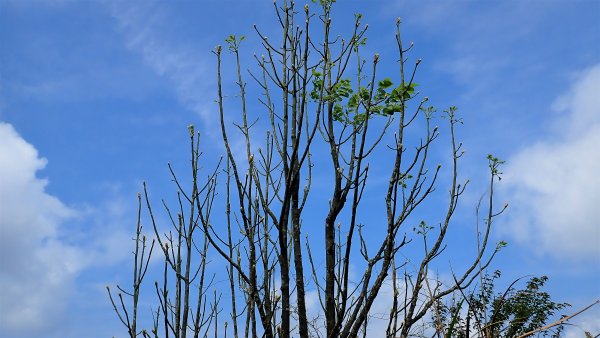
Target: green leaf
[(455, 319), (338, 113), (385, 83), (353, 101), (364, 94), (391, 109)]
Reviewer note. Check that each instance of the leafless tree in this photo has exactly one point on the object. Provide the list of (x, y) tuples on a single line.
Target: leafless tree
[(183, 304), (323, 108), (311, 101)]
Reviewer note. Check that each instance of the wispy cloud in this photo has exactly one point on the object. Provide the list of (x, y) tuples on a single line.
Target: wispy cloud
[(553, 184), (182, 64), (187, 65), (495, 62), (589, 321)]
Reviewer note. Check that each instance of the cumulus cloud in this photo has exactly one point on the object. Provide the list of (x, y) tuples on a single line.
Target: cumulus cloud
[(43, 250), (553, 184), (37, 268)]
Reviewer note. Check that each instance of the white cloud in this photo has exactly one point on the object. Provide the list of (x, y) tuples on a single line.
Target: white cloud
[(143, 26), (109, 239), (553, 184), (37, 268), (39, 259), (587, 322), (186, 65)]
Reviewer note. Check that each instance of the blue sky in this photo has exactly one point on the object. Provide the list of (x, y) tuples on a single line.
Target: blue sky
[(95, 97)]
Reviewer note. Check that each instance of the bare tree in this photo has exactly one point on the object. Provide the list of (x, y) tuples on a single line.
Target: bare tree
[(129, 317), (324, 109), (311, 101), (183, 304)]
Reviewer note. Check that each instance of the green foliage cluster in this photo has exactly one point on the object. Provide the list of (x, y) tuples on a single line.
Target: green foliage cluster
[(494, 163), (233, 42), (354, 106), (511, 313), (324, 3)]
